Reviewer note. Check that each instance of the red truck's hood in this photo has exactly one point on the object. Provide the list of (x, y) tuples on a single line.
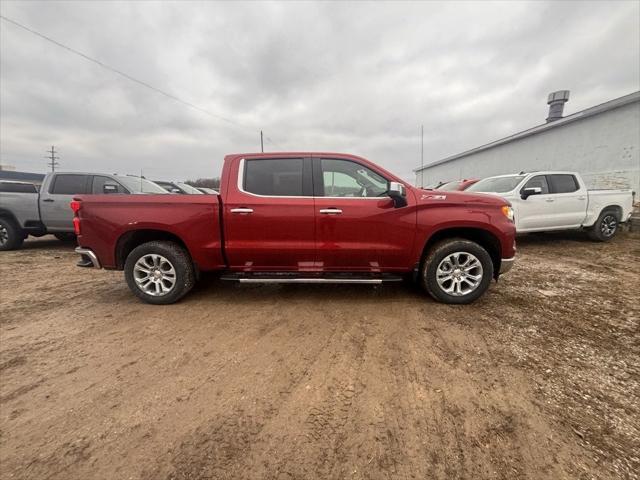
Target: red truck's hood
[(458, 198)]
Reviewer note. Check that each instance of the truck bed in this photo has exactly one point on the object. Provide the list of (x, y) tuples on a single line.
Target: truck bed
[(194, 220), (602, 198)]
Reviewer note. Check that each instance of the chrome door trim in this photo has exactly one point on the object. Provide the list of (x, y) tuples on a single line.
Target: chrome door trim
[(242, 190)]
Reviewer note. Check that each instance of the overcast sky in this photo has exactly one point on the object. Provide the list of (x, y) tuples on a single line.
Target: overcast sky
[(349, 77)]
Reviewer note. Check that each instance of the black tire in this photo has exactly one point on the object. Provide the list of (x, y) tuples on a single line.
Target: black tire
[(176, 257), (11, 235), (442, 253), (606, 226), (65, 236)]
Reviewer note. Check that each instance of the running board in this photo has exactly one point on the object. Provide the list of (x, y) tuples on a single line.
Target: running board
[(288, 278)]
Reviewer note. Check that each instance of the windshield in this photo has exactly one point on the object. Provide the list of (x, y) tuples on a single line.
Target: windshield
[(189, 189), (140, 185), (496, 184), (449, 186)]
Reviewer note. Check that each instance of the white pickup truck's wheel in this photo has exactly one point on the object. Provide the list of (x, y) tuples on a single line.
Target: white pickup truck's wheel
[(11, 237), (456, 271), (159, 272), (605, 227)]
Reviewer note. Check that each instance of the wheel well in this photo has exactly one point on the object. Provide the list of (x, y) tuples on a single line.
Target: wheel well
[(482, 237), (615, 208), (130, 240), (7, 215)]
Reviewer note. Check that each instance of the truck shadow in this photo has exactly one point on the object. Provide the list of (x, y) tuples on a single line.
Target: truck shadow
[(48, 242), (541, 238)]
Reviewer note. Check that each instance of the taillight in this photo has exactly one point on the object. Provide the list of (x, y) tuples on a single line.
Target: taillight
[(75, 206)]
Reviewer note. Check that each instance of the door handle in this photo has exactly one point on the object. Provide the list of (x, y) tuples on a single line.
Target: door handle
[(582, 198), (331, 211), (549, 200), (48, 200), (241, 210)]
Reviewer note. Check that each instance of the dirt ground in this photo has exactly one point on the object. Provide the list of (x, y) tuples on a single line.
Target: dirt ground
[(539, 379)]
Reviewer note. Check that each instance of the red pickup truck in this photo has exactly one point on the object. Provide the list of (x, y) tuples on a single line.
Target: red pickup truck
[(300, 218)]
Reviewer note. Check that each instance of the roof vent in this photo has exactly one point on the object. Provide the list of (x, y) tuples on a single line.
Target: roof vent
[(556, 103)]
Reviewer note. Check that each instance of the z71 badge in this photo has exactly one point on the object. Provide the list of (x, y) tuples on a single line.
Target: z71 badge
[(433, 197)]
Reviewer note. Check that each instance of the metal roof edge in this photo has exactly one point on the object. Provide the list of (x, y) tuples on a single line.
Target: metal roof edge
[(603, 107)]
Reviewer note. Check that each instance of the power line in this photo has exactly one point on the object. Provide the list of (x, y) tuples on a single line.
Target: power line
[(123, 74), (274, 143)]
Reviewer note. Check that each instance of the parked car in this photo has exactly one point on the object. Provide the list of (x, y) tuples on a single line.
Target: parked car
[(178, 187), (208, 191), (545, 201), (24, 213), (281, 223), (456, 185)]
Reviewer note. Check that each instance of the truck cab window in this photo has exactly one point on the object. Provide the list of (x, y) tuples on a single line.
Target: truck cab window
[(69, 184), (539, 181), (100, 181), (274, 177), (343, 178), (563, 183)]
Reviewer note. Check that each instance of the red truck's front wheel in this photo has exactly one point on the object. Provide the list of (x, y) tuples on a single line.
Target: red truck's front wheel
[(159, 272), (456, 270)]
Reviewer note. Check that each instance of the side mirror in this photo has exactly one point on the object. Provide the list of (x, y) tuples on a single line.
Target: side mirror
[(398, 193), (107, 188), (527, 192)]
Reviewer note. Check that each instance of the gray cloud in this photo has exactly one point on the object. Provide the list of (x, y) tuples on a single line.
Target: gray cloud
[(353, 77)]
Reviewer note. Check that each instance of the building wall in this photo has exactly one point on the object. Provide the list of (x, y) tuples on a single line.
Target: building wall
[(604, 149)]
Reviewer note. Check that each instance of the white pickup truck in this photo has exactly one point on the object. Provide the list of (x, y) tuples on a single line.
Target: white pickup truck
[(545, 201)]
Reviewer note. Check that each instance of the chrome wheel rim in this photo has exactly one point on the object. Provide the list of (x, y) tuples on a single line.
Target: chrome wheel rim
[(608, 225), (154, 275), (4, 235), (459, 274)]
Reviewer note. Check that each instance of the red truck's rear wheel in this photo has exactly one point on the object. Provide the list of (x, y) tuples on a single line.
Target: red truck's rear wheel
[(159, 272), (456, 271)]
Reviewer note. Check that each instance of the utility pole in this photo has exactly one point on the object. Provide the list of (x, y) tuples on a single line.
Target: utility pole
[(52, 158), (261, 142), (421, 155)]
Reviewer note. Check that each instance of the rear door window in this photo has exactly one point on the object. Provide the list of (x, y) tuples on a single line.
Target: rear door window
[(70, 184), (562, 183), (17, 187), (99, 181), (539, 181), (274, 177)]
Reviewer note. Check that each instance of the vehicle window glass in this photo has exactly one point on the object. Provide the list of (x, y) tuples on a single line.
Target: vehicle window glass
[(539, 181), (69, 184), (140, 185), (496, 184), (189, 189), (343, 178), (563, 183), (449, 186), (100, 181), (275, 177), (17, 187)]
